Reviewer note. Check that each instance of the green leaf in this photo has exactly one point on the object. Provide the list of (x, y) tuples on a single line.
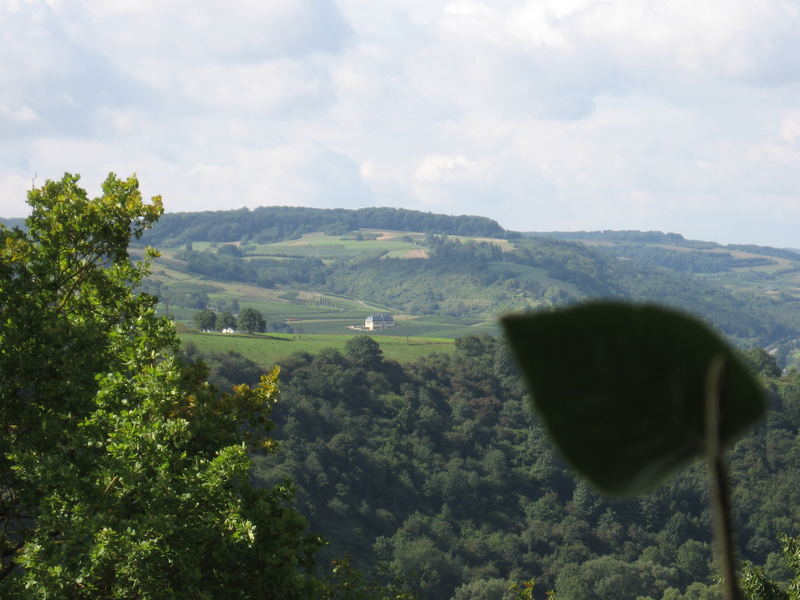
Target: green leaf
[(622, 388)]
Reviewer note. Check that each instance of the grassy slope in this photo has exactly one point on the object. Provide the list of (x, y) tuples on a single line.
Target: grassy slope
[(310, 312), (269, 349), (782, 276)]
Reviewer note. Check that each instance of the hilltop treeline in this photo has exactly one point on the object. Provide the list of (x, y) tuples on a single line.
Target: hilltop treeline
[(273, 223), (690, 261), (13, 222), (633, 240), (618, 235), (437, 473)]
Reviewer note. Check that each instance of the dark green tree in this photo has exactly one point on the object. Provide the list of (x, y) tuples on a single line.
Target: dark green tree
[(761, 361), (365, 351), (251, 321), (226, 321), (123, 474), (206, 319)]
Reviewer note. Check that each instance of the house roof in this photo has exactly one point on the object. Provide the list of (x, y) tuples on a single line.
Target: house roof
[(380, 317)]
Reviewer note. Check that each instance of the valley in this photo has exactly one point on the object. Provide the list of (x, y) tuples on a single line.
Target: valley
[(444, 285)]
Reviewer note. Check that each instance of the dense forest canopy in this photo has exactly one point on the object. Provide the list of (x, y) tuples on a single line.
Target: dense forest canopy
[(437, 472)]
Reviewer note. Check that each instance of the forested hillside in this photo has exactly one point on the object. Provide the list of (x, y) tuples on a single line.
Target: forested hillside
[(273, 223), (469, 268), (438, 473), (673, 251), (481, 279)]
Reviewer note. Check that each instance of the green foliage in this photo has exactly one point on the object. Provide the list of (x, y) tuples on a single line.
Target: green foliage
[(761, 361), (275, 349), (629, 235), (758, 586), (498, 589), (438, 462), (251, 321), (688, 261), (58, 306), (206, 320), (364, 351), (345, 582), (189, 295), (607, 577), (124, 474), (225, 370), (226, 321), (635, 409), (467, 490)]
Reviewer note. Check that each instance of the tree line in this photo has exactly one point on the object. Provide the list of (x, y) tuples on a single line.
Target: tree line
[(249, 319), (275, 223), (437, 473)]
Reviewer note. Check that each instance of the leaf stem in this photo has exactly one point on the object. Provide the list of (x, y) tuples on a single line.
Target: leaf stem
[(720, 494)]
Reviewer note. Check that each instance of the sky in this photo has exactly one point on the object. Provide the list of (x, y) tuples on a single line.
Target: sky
[(670, 115)]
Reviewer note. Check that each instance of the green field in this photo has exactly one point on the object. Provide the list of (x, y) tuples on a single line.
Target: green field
[(307, 311), (268, 349), (311, 313), (319, 320), (319, 245), (314, 313), (421, 327)]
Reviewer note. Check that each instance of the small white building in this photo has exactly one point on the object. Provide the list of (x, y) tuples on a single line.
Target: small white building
[(378, 321)]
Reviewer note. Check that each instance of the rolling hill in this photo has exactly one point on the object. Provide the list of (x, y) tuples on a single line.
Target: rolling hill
[(324, 270)]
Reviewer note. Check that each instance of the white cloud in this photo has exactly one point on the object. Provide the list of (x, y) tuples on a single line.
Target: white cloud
[(13, 192), (271, 88), (19, 114), (440, 169), (241, 30), (307, 174), (790, 126), (545, 114)]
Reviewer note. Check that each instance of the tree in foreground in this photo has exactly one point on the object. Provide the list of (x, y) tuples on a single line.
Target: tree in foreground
[(656, 389), (123, 474)]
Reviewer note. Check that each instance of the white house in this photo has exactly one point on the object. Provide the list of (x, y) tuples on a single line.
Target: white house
[(379, 321)]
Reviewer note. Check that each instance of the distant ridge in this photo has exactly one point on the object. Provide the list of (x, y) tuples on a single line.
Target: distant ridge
[(633, 236), (273, 223), (628, 235), (13, 222)]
